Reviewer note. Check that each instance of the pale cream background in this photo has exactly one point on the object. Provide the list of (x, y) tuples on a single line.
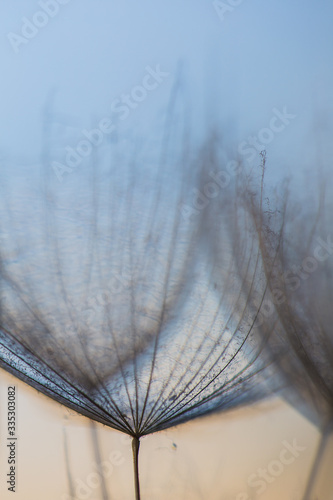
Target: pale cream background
[(210, 459)]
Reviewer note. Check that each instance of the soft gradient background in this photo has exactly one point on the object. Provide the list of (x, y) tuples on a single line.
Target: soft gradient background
[(235, 69), (259, 56), (208, 459)]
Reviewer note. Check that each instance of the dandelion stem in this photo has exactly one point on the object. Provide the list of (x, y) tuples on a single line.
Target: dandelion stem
[(316, 467), (135, 447)]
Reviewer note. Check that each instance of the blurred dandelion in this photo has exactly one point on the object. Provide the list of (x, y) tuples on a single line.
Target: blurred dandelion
[(297, 249), (117, 304)]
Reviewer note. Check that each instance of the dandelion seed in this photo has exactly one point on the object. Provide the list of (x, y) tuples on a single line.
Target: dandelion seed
[(170, 344)]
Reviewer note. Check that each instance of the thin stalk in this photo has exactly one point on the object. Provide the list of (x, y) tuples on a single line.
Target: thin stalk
[(98, 458), (328, 429), (68, 466), (135, 447)]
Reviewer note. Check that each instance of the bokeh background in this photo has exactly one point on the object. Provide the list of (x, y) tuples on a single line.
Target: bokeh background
[(237, 63), (213, 458)]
